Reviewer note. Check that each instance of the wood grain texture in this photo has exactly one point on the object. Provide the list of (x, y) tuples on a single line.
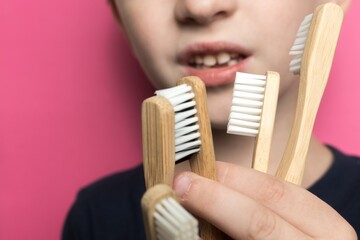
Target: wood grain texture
[(262, 147), (315, 68), (203, 162), (158, 139), (153, 196)]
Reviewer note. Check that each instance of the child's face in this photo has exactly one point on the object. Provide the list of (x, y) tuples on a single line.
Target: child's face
[(175, 38)]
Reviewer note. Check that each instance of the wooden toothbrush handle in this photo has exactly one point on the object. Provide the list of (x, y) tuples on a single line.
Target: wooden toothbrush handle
[(262, 147), (158, 138), (149, 200), (203, 163), (209, 232)]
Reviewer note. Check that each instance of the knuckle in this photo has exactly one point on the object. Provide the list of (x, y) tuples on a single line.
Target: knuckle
[(271, 191), (262, 225)]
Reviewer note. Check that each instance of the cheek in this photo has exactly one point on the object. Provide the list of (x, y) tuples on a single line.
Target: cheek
[(154, 37), (142, 38), (280, 23), (145, 24)]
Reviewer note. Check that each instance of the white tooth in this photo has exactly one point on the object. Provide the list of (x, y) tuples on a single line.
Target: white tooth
[(232, 62), (209, 60), (223, 57), (199, 60), (234, 55)]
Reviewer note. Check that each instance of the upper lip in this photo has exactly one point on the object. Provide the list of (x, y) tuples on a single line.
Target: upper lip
[(203, 48)]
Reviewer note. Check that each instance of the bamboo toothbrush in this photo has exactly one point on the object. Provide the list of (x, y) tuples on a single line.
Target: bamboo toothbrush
[(315, 47), (165, 218), (253, 112), (184, 107)]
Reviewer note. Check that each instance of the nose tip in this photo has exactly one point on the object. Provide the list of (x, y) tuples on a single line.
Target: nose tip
[(203, 11)]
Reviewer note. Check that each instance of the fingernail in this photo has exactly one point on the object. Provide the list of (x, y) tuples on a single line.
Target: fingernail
[(182, 184)]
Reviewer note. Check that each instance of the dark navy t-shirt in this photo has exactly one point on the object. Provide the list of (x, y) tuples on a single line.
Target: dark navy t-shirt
[(110, 208)]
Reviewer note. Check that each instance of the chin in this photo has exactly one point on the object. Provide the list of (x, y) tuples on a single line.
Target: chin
[(219, 125), (219, 117), (219, 104)]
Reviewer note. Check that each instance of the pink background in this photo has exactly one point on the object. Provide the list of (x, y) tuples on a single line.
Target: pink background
[(68, 99)]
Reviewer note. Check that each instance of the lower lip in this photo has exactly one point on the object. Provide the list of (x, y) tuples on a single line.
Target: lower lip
[(213, 77)]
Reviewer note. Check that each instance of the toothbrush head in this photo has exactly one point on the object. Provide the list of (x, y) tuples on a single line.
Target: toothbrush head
[(187, 133), (165, 218), (171, 125), (318, 33), (247, 103), (298, 47)]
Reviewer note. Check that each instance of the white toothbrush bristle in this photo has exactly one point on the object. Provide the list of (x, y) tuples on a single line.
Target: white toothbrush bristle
[(187, 133), (246, 110), (242, 131), (172, 221), (246, 95), (237, 101), (249, 89), (183, 154), (299, 45), (245, 117), (247, 102), (245, 124)]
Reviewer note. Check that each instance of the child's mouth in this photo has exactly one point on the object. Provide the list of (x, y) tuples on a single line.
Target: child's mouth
[(215, 63), (222, 59)]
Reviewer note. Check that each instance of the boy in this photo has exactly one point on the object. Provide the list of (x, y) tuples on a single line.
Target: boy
[(174, 38)]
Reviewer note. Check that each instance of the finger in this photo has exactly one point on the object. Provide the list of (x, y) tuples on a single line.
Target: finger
[(234, 213), (292, 203)]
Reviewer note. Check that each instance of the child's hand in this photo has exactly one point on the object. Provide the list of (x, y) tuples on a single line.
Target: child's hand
[(246, 204)]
